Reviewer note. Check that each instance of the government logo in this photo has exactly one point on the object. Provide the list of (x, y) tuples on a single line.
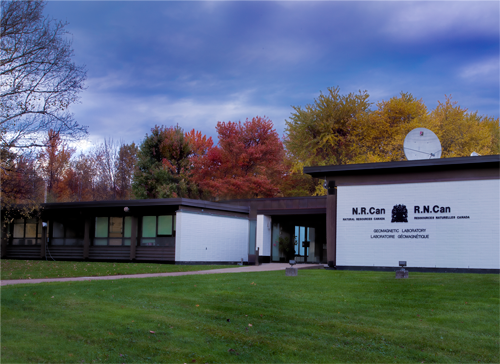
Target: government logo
[(399, 213)]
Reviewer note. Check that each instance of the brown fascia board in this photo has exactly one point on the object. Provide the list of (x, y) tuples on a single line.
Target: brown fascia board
[(147, 203), (273, 199), (488, 161), (304, 211)]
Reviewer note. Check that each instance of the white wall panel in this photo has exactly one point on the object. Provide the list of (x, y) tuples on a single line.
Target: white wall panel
[(263, 237), (465, 234), (209, 238)]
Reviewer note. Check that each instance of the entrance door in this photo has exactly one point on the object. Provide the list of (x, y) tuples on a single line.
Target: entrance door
[(305, 244), (306, 235)]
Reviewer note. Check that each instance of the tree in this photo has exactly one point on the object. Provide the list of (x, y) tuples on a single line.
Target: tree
[(164, 165), (106, 167), (462, 132), (38, 82), (296, 183), (321, 133), (379, 134), (55, 160), (20, 181), (124, 170), (200, 144), (341, 129), (246, 163), (85, 167)]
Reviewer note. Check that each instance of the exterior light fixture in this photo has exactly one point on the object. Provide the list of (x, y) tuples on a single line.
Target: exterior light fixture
[(126, 209), (291, 272), (402, 273)]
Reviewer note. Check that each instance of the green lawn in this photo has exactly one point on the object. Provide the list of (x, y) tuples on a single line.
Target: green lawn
[(32, 269), (318, 316)]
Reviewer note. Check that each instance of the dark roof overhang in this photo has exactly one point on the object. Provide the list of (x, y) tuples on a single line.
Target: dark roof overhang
[(147, 203), (274, 212), (424, 165)]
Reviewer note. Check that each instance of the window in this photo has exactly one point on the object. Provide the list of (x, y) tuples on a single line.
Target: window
[(113, 230), (67, 232), (26, 232), (158, 230)]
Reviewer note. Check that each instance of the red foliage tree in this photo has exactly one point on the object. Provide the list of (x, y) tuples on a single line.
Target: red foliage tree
[(200, 144), (246, 163), (55, 160)]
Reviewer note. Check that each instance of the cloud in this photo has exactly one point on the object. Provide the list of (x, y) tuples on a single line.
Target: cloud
[(196, 63), (486, 71), (131, 117), (280, 52), (422, 21)]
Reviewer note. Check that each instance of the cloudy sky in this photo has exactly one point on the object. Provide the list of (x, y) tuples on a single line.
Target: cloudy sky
[(196, 63)]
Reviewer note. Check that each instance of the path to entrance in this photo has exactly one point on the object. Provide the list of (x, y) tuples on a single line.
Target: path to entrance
[(244, 269)]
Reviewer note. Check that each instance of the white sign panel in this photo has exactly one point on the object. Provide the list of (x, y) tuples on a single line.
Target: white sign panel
[(442, 224)]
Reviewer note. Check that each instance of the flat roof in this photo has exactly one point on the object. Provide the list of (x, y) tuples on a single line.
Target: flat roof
[(148, 203), (488, 161)]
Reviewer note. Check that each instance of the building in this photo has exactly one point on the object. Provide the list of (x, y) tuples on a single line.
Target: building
[(437, 214)]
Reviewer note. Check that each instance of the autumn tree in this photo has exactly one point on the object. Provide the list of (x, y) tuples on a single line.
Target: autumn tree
[(106, 157), (124, 170), (341, 129), (85, 166), (38, 83), (103, 172), (163, 165), (200, 144), (382, 133), (379, 134), (246, 163), (462, 132), (55, 160), (321, 133), (21, 182), (295, 183)]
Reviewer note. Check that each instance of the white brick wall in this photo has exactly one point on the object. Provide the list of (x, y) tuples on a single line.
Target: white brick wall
[(452, 243), (208, 238), (263, 237)]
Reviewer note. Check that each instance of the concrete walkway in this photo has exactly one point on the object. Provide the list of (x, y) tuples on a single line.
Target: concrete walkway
[(244, 269)]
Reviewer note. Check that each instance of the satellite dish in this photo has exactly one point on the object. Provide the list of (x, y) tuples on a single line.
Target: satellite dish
[(421, 143)]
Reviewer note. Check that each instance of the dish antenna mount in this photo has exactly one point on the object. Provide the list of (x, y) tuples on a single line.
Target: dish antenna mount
[(421, 143)]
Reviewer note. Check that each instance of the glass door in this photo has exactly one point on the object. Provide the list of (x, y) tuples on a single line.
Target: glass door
[(305, 245)]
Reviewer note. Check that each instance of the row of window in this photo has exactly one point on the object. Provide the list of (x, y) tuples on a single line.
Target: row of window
[(109, 230), (26, 232)]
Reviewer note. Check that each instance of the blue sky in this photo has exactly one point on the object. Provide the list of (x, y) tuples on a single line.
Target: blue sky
[(196, 63)]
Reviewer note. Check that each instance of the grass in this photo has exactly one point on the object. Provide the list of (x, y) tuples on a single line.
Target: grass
[(318, 316), (33, 269)]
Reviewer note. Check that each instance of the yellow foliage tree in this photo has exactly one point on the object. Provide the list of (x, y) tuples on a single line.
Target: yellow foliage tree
[(341, 129), (462, 133), (321, 133), (380, 134)]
